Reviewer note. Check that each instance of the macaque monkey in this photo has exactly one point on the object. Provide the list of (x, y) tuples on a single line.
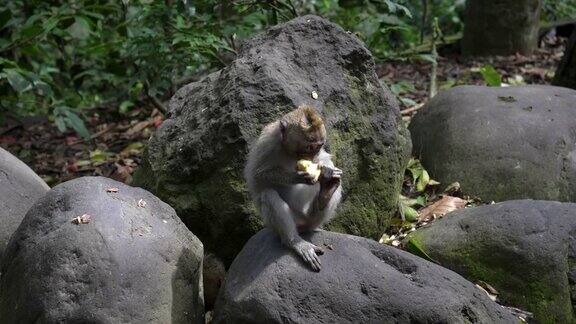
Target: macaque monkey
[(291, 201)]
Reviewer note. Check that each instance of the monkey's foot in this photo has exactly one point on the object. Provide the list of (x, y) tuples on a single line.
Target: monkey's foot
[(309, 252)]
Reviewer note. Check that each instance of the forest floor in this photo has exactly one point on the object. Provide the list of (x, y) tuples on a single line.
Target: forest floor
[(118, 140)]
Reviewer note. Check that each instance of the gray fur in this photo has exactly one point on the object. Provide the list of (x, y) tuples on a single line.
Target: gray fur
[(284, 199)]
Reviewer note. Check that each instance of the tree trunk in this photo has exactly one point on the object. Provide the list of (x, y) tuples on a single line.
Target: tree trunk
[(501, 27), (566, 73)]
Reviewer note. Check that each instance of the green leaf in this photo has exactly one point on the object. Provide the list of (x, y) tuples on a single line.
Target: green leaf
[(60, 123), (416, 173), (421, 200), (426, 58), (98, 156), (51, 23), (43, 88), (408, 102), (31, 31), (423, 181), (414, 247), (76, 124), (408, 201), (135, 146), (433, 182), (5, 17), (80, 29), (410, 214), (491, 76), (125, 106), (18, 82)]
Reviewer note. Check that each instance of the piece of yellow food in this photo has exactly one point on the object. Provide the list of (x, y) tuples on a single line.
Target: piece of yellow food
[(313, 169)]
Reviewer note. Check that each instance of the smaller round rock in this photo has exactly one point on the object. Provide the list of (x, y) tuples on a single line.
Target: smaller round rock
[(90, 251)]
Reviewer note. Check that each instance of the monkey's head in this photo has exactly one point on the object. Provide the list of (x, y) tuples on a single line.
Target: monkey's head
[(303, 133)]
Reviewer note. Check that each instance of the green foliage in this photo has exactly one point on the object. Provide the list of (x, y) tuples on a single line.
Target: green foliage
[(420, 177), (400, 89), (555, 10), (383, 25), (420, 181), (62, 57), (491, 76), (59, 57), (414, 246)]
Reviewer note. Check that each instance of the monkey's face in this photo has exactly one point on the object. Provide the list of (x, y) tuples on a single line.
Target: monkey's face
[(305, 144)]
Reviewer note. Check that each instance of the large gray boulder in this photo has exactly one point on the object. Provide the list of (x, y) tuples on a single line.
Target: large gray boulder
[(501, 143), (526, 249), (133, 262), (20, 187), (194, 161), (361, 281)]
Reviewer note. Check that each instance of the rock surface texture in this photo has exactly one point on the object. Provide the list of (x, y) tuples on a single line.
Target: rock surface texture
[(133, 262), (20, 187), (361, 281), (501, 143), (195, 159), (526, 249)]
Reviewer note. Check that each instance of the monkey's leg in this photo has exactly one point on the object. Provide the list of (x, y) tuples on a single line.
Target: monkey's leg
[(278, 215)]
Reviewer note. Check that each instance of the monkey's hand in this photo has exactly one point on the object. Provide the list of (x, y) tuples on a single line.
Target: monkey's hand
[(305, 177), (330, 173), (329, 182), (309, 252)]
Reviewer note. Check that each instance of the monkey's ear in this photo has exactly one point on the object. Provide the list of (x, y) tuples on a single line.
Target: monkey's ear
[(283, 126)]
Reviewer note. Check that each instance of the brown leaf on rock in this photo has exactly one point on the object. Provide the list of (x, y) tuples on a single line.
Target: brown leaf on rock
[(488, 287), (112, 190), (491, 296), (440, 208)]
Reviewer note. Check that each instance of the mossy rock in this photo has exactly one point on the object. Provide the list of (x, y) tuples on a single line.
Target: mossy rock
[(195, 160), (526, 249)]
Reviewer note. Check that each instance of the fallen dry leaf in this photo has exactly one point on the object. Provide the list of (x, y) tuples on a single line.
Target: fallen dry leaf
[(441, 207), (112, 190), (488, 287), (84, 219), (138, 127), (141, 203), (493, 297)]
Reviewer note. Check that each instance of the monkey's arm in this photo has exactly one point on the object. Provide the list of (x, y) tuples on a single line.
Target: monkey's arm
[(278, 216), (324, 206)]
